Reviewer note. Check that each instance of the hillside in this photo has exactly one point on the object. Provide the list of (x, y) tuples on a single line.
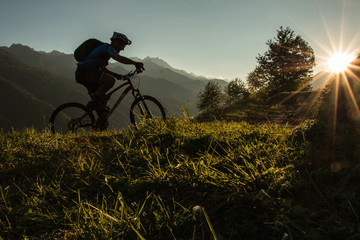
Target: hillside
[(30, 93), (49, 78), (176, 180), (55, 62), (28, 112)]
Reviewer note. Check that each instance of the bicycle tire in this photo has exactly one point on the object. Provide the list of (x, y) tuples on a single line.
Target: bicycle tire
[(71, 117), (153, 108)]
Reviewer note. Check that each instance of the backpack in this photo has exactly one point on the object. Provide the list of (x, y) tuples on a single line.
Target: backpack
[(85, 49)]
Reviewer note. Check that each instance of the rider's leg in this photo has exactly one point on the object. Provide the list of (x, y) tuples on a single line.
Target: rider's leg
[(106, 83), (88, 78)]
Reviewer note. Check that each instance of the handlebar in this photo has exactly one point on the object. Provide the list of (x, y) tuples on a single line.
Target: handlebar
[(126, 76)]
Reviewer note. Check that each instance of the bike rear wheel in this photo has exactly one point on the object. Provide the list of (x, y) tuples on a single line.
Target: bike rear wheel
[(71, 117), (146, 109)]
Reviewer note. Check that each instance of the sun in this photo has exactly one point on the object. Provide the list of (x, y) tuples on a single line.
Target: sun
[(339, 62)]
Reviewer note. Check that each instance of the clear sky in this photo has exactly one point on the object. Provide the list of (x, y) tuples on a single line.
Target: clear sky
[(218, 38)]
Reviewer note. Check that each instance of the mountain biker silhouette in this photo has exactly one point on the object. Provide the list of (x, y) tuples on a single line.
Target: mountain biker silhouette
[(92, 72)]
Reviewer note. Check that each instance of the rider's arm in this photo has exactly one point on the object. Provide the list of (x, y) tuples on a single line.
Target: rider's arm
[(125, 60)]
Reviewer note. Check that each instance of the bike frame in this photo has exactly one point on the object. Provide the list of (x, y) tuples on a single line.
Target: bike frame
[(139, 103), (135, 92)]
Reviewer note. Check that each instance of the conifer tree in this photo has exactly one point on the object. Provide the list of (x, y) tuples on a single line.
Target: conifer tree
[(286, 66), (210, 97), (236, 91)]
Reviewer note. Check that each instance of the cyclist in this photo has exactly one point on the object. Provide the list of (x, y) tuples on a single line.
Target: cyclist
[(92, 72)]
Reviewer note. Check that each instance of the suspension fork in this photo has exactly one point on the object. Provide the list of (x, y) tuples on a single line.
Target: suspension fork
[(137, 95)]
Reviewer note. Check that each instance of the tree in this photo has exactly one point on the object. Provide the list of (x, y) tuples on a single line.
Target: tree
[(286, 66), (210, 97), (236, 91), (256, 80)]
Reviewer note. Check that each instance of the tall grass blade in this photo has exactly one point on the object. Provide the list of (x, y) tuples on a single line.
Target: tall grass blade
[(209, 224)]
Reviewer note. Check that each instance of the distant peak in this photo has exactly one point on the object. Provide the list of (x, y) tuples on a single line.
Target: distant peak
[(20, 46), (55, 52), (157, 61)]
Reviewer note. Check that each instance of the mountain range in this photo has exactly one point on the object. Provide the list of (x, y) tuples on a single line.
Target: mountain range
[(33, 83)]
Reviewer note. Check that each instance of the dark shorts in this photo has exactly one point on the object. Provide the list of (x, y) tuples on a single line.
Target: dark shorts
[(89, 78)]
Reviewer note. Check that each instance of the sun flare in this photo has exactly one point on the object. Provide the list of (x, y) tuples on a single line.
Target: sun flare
[(339, 62)]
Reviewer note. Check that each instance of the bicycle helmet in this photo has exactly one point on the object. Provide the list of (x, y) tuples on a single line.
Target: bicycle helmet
[(121, 37)]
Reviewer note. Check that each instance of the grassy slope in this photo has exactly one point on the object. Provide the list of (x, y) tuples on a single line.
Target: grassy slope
[(174, 180)]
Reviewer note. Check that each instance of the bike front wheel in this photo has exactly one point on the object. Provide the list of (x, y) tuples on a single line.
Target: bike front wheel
[(146, 109), (71, 117)]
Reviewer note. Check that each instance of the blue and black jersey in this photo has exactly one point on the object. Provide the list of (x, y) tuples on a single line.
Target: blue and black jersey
[(98, 58)]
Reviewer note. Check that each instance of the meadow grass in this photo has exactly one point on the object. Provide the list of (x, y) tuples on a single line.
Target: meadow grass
[(177, 179)]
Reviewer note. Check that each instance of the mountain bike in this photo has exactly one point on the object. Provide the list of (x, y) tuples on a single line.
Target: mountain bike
[(76, 117)]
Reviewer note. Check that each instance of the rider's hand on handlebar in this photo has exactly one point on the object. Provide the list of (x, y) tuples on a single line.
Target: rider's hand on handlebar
[(139, 66)]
